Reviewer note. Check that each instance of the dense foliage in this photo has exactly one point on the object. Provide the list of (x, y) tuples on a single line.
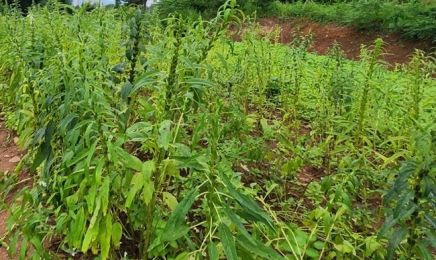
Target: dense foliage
[(166, 139), (410, 19)]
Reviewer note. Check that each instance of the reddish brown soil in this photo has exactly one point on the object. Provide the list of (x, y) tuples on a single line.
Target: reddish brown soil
[(10, 156), (396, 50)]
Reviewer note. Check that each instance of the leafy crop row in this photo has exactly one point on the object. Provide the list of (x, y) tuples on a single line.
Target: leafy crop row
[(152, 138)]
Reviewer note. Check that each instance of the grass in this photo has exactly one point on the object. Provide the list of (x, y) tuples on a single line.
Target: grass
[(164, 138)]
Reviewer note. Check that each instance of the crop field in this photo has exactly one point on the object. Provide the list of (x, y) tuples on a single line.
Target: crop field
[(164, 139)]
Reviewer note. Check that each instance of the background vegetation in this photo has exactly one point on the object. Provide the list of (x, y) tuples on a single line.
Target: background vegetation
[(151, 138), (410, 19)]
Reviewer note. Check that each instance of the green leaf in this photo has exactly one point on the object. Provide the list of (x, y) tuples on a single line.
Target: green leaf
[(312, 253), (164, 134), (212, 251), (64, 123), (247, 204), (201, 82), (175, 234), (125, 90), (395, 240), (431, 220), (79, 157), (105, 194), (326, 183), (99, 170), (147, 170), (42, 154), (24, 247), (238, 224), (319, 245), (226, 238), (182, 256), (105, 235), (90, 235), (371, 245), (79, 227), (258, 248), (117, 233), (170, 200), (174, 226), (144, 80), (404, 199), (138, 183), (389, 223), (128, 159), (424, 253), (266, 129)]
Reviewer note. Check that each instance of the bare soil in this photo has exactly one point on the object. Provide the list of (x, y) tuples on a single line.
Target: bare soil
[(10, 156), (396, 50)]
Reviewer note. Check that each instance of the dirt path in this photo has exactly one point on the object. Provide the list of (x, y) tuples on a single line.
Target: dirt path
[(396, 50), (10, 156)]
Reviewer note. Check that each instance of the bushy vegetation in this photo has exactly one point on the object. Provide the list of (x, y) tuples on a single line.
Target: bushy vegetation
[(410, 19), (152, 138)]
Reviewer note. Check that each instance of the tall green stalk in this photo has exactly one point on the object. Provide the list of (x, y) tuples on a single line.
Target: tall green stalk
[(366, 92)]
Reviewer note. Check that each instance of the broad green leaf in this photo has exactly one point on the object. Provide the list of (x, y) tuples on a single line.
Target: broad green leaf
[(145, 80), (37, 243), (424, 253), (431, 220), (258, 248), (99, 170), (42, 154), (105, 194), (138, 183), (344, 248), (312, 253), (148, 191), (199, 81), (371, 244), (326, 183), (395, 240), (129, 160), (177, 217), (226, 238), (24, 247), (14, 243), (79, 157), (182, 256), (117, 233), (404, 199), (148, 168), (91, 234), (319, 245), (266, 129), (327, 222), (212, 251), (79, 228), (170, 200), (176, 233), (64, 123), (105, 234), (247, 204), (239, 224), (164, 134), (125, 90)]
